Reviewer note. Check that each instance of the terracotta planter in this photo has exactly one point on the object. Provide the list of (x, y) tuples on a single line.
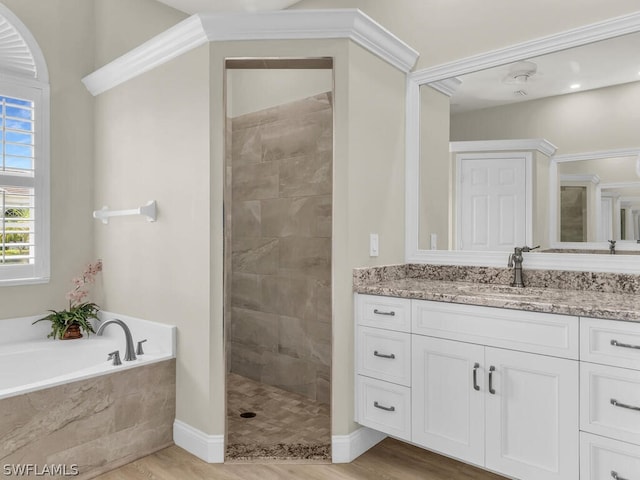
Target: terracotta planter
[(72, 332)]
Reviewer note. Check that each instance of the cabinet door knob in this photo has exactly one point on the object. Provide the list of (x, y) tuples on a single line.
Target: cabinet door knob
[(476, 366), (383, 355), (381, 407), (491, 389)]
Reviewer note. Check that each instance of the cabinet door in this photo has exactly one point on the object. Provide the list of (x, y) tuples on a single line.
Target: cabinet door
[(532, 416), (447, 411)]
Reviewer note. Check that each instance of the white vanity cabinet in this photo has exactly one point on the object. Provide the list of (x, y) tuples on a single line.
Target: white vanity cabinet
[(494, 387), (513, 412), (383, 364), (609, 400)]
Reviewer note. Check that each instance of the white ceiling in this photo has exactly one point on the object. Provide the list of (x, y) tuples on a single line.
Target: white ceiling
[(217, 6), (601, 64)]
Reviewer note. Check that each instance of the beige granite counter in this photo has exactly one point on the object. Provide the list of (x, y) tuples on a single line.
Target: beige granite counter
[(616, 298)]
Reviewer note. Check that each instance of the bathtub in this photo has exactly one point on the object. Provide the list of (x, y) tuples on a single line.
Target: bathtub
[(65, 404), (29, 361)]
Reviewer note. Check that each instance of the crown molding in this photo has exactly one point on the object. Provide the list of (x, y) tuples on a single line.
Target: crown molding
[(532, 48), (279, 25), (177, 40), (534, 144), (580, 177), (598, 155), (448, 86)]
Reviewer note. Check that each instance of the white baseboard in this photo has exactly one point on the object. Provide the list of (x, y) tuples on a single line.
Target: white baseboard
[(209, 448), (346, 448)]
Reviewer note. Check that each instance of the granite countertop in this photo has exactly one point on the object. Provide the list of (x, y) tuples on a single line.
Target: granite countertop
[(596, 304)]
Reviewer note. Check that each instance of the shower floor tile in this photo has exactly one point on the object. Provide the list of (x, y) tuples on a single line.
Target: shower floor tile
[(287, 426)]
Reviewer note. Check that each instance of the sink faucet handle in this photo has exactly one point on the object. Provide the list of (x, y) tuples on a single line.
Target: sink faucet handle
[(139, 350), (528, 249), (116, 357)]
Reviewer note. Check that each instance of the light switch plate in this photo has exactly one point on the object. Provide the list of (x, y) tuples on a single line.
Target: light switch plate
[(374, 245)]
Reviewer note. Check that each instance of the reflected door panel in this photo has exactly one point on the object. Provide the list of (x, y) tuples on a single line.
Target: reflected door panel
[(492, 203)]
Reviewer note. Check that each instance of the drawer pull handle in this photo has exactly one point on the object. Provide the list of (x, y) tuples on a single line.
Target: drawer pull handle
[(616, 476), (381, 407), (476, 366), (380, 312), (615, 403), (491, 389), (383, 355), (616, 343)]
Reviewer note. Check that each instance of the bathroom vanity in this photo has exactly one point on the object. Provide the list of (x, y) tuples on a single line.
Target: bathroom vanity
[(522, 382)]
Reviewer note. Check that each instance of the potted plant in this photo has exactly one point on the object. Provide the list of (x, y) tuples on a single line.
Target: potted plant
[(70, 323)]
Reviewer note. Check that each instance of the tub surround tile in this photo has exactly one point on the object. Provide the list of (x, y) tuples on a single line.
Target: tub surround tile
[(98, 424), (587, 294)]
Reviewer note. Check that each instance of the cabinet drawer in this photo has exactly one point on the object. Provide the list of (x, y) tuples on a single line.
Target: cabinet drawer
[(384, 312), (604, 459), (549, 334), (610, 342), (610, 401), (384, 355), (385, 407)]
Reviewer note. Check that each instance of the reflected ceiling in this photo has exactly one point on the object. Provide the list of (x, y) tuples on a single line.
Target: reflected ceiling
[(605, 63)]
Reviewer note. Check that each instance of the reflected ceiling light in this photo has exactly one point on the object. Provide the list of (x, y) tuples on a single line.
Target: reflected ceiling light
[(574, 86), (520, 72)]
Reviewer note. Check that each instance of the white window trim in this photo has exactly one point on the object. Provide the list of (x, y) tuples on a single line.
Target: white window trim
[(40, 270), (31, 80)]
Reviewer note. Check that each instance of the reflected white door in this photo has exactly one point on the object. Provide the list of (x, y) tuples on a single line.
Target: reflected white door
[(606, 220), (493, 202)]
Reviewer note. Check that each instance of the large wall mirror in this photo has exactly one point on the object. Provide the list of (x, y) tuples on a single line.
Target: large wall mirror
[(534, 144)]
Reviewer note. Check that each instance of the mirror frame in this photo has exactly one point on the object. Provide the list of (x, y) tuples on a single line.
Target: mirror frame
[(553, 201), (606, 29)]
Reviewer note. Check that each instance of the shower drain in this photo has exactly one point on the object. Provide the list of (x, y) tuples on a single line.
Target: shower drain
[(247, 414)]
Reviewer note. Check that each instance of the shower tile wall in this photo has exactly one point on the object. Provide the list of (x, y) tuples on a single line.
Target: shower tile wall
[(281, 178)]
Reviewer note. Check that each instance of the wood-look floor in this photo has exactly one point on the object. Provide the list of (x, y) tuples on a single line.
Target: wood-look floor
[(389, 460)]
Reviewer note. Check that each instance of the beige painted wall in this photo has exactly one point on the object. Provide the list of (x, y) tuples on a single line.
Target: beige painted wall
[(443, 31), (579, 122), (436, 172), (121, 25), (152, 143), (251, 90), (63, 29)]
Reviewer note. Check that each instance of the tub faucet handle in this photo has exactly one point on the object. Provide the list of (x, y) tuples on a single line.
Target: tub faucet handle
[(139, 350), (116, 357)]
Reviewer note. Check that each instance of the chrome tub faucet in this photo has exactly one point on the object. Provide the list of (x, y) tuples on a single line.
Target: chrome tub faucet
[(515, 262), (130, 353)]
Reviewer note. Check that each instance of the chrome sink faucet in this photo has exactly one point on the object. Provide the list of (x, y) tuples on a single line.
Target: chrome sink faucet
[(515, 262), (130, 353), (612, 247)]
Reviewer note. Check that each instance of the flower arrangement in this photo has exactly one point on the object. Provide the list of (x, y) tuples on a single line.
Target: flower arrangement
[(65, 323)]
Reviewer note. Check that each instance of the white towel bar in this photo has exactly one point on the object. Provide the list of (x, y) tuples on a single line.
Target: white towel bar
[(148, 210)]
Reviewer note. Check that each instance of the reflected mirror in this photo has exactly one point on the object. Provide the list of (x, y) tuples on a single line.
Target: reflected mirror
[(542, 151)]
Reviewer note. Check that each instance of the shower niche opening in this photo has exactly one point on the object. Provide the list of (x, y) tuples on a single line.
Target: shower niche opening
[(278, 230)]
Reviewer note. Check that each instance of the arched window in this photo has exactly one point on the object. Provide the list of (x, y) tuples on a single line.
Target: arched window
[(24, 155)]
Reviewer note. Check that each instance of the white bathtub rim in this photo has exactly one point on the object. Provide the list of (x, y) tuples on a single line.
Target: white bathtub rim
[(161, 345), (84, 374)]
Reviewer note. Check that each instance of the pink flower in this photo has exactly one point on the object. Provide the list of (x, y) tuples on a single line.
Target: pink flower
[(80, 292)]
